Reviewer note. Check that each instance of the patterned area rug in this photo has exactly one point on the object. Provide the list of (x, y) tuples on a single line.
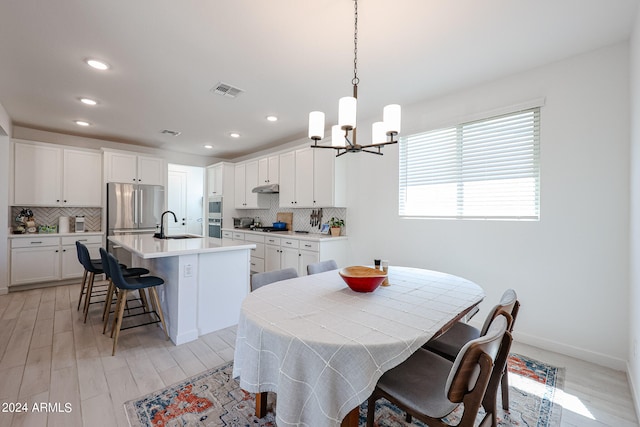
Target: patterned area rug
[(213, 398)]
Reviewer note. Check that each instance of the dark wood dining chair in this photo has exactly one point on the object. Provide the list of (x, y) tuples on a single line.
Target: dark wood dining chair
[(322, 266), (429, 387), (259, 280), (449, 344)]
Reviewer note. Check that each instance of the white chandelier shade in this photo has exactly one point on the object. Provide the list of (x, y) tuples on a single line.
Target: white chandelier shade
[(316, 125)]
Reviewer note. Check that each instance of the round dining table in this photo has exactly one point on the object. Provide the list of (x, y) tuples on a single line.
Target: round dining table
[(322, 347)]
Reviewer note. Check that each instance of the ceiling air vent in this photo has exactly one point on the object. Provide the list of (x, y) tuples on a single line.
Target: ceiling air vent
[(171, 132), (227, 90)]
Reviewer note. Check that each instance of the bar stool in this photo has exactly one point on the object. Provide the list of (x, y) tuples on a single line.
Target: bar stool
[(125, 285), (111, 290), (95, 262), (91, 268)]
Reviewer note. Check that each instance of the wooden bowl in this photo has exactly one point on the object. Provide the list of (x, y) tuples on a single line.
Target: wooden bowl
[(362, 279)]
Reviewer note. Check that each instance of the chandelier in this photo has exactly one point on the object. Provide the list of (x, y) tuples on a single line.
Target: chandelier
[(343, 135)]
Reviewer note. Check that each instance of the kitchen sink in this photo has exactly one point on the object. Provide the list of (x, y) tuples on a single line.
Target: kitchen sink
[(183, 236)]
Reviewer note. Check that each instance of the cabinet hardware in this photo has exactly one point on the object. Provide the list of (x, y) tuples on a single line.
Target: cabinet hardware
[(34, 243)]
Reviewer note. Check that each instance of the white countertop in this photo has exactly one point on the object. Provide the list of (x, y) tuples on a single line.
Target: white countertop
[(31, 235), (147, 246), (315, 237)]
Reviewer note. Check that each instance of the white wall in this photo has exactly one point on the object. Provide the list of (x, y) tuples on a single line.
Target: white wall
[(5, 134), (570, 269), (634, 288)]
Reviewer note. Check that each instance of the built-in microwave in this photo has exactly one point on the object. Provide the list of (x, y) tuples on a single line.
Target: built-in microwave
[(215, 206)]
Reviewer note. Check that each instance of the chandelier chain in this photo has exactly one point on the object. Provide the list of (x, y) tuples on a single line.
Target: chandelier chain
[(355, 80)]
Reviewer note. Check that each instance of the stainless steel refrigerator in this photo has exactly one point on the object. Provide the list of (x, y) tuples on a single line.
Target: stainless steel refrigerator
[(133, 208)]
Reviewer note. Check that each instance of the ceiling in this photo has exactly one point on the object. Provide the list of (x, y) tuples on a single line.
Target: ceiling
[(289, 57)]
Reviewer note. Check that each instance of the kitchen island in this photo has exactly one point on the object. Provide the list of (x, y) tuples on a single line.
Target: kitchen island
[(206, 280)]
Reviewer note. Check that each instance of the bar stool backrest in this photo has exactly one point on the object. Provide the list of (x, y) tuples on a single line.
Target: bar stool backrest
[(116, 272), (105, 263), (85, 258)]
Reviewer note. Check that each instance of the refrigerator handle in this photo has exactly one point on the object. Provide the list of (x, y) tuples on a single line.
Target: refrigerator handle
[(135, 206), (141, 204)]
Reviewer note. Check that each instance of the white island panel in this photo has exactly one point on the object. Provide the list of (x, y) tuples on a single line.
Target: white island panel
[(205, 280)]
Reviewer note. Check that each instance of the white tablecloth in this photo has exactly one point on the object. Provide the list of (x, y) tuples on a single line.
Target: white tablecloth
[(322, 347)]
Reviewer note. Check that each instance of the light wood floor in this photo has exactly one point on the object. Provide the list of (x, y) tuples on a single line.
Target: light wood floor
[(47, 355)]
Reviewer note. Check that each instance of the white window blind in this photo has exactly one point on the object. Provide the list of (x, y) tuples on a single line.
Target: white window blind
[(483, 169)]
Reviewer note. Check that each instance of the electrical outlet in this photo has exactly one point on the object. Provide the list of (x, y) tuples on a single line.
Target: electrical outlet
[(188, 270)]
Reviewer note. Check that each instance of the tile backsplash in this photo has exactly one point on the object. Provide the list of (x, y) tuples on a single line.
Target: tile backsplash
[(50, 216), (301, 217)]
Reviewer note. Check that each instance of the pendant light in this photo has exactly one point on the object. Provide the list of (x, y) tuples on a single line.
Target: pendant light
[(343, 135)]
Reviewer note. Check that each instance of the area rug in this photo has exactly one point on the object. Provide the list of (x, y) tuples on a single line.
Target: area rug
[(214, 398)]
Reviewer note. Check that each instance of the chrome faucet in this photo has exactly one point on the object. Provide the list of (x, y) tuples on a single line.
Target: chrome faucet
[(161, 235)]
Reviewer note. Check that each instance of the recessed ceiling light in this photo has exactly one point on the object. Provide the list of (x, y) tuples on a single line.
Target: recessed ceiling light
[(272, 118), (234, 135), (81, 123), (88, 101), (208, 146), (98, 65)]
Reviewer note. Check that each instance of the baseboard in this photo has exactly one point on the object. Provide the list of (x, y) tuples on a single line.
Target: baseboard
[(632, 386), (4, 290), (577, 352)]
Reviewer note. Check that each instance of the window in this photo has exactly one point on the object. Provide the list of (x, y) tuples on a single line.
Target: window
[(483, 169)]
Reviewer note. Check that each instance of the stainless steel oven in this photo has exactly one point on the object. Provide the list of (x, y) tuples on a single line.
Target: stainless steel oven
[(215, 217), (215, 227)]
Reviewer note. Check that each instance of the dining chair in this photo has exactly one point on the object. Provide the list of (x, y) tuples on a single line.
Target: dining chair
[(126, 285), (258, 280), (429, 387), (449, 344), (322, 266)]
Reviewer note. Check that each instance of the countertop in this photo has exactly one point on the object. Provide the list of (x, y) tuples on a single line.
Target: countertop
[(147, 246), (32, 235), (314, 237)]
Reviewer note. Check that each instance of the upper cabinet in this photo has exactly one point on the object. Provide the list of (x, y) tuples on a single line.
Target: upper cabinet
[(220, 178), (134, 168), (268, 170), (311, 178), (246, 179), (50, 175)]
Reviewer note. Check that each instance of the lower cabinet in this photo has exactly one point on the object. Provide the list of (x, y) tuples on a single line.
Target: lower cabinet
[(49, 258), (292, 253), (273, 252)]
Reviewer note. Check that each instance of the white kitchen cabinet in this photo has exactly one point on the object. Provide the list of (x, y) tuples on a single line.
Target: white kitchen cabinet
[(257, 253), (49, 175), (305, 258), (70, 266), (275, 251), (220, 181), (272, 257), (289, 258), (35, 260), (49, 258), (268, 170), (134, 168), (245, 180), (214, 180), (82, 178), (309, 178)]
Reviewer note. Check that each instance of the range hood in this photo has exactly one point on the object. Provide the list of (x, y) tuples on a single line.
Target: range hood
[(269, 188)]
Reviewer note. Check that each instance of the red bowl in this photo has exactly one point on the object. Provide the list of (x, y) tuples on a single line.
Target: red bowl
[(362, 279)]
